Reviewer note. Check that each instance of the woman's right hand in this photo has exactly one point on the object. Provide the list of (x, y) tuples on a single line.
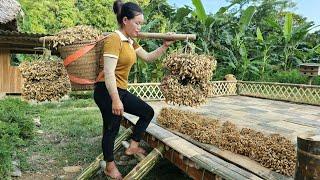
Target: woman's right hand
[(117, 107)]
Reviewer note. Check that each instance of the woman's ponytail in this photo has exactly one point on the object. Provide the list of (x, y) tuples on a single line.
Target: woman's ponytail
[(129, 10), (117, 5)]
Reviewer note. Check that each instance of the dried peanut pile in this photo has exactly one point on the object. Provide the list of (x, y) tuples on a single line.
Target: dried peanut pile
[(44, 80), (188, 79), (190, 94), (271, 151), (75, 34), (191, 66)]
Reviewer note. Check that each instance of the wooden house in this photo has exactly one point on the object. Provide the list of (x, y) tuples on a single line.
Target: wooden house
[(13, 42)]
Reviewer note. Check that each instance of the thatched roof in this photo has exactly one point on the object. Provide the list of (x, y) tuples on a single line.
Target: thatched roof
[(22, 42), (9, 10)]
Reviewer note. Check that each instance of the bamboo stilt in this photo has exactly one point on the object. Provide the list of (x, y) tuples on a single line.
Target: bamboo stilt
[(142, 168), (94, 166)]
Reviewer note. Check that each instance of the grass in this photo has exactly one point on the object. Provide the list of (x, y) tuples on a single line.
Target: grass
[(72, 136)]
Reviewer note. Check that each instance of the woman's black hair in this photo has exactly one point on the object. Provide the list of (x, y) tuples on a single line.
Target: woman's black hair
[(129, 10)]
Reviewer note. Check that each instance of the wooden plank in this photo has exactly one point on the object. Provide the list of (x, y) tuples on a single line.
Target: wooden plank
[(10, 76), (5, 66), (16, 83), (304, 122), (2, 54), (217, 165)]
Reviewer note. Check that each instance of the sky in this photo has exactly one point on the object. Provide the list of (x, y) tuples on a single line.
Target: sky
[(306, 8)]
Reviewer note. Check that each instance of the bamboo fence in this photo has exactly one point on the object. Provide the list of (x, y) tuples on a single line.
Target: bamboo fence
[(298, 93)]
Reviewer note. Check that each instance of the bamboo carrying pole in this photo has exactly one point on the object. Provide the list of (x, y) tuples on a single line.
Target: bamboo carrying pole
[(142, 168), (94, 166), (308, 157), (167, 36)]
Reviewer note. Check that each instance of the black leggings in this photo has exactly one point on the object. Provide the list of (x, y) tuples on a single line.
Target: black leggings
[(111, 123)]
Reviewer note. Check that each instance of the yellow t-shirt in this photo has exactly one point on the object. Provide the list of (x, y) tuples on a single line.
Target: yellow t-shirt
[(118, 46)]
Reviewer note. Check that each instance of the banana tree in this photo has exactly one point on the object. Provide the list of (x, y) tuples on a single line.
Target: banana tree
[(293, 37)]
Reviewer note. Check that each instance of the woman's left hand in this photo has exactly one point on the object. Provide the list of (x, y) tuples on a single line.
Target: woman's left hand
[(167, 43)]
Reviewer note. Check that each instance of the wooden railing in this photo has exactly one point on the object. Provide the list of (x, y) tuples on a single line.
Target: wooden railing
[(151, 91), (298, 93)]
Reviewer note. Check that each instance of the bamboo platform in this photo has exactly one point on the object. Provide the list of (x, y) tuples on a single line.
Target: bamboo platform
[(268, 116), (203, 161)]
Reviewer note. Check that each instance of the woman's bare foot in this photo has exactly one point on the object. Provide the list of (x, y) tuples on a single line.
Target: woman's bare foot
[(112, 171), (134, 149)]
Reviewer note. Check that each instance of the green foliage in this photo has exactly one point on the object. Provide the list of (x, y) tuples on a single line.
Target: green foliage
[(5, 156), (245, 18), (293, 76), (316, 81), (13, 110), (199, 11), (16, 126), (9, 140), (287, 28), (50, 16), (81, 94), (159, 16), (252, 39), (97, 13), (264, 39)]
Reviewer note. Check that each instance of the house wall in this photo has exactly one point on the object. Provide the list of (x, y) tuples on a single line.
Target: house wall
[(10, 76)]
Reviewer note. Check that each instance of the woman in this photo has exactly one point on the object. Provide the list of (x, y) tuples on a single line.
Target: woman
[(110, 94)]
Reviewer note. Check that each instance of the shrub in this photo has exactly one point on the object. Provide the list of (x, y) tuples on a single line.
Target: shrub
[(292, 76), (13, 110), (16, 125)]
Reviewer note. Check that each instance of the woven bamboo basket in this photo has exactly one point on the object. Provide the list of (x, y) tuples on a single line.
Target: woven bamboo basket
[(85, 67)]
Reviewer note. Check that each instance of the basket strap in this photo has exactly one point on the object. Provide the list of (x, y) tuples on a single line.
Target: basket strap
[(82, 81), (76, 55)]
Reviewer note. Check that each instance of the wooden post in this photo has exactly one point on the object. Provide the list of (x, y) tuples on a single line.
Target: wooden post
[(142, 168), (308, 157), (94, 166)]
